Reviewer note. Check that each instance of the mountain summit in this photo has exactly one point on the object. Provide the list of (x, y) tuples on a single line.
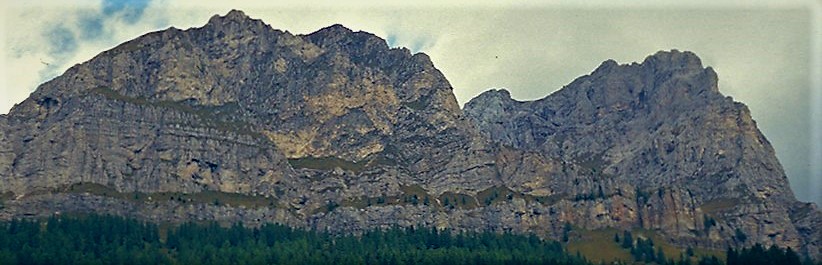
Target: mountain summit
[(238, 122)]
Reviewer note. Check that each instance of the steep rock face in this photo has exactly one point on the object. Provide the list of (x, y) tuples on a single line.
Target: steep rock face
[(662, 127), (233, 91), (236, 121), (238, 107), (658, 123), (6, 152)]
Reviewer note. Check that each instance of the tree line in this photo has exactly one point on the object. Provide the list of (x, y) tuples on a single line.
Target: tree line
[(103, 239), (643, 250), (97, 239)]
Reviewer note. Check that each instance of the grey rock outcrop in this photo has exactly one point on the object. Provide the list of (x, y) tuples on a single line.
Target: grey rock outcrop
[(238, 122), (663, 127)]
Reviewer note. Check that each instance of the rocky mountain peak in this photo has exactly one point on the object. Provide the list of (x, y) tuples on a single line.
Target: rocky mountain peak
[(342, 39), (498, 93), (236, 22), (490, 104), (647, 100), (659, 126), (665, 80), (234, 15), (663, 87), (673, 60), (681, 65), (334, 130), (606, 66), (333, 30)]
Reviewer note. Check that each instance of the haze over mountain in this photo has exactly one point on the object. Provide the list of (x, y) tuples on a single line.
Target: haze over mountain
[(334, 130)]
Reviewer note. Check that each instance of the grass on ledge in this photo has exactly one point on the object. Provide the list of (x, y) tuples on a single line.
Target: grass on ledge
[(332, 162), (204, 197), (599, 246), (207, 116)]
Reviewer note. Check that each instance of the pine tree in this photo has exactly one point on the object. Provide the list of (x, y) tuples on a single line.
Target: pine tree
[(731, 257), (627, 239), (660, 255)]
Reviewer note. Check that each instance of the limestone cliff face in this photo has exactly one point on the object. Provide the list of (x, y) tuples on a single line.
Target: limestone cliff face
[(662, 127), (236, 121), (658, 123), (233, 90)]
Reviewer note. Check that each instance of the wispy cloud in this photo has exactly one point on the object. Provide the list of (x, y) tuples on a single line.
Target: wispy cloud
[(129, 10), (90, 26), (94, 24), (50, 37), (61, 40), (62, 45)]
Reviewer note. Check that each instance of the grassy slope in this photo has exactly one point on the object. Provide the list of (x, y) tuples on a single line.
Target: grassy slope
[(599, 246)]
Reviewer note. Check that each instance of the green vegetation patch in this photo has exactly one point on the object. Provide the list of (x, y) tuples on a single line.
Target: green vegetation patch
[(220, 198), (6, 196), (719, 205), (327, 163), (598, 246), (411, 195), (332, 162), (673, 252), (458, 200), (497, 194), (98, 239), (103, 239), (205, 197), (416, 195), (606, 246), (418, 105)]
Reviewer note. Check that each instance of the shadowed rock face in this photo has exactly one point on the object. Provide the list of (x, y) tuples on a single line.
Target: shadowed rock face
[(236, 121)]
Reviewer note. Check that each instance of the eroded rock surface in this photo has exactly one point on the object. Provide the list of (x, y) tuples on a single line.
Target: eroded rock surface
[(663, 128), (238, 122)]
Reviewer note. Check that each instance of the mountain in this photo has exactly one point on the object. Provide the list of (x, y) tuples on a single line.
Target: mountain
[(238, 122), (662, 128)]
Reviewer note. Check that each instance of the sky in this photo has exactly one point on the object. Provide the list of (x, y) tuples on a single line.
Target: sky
[(767, 53)]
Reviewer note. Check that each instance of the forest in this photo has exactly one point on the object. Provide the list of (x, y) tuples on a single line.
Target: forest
[(103, 239), (96, 239)]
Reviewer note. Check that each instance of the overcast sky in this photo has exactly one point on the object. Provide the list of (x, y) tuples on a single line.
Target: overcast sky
[(767, 53)]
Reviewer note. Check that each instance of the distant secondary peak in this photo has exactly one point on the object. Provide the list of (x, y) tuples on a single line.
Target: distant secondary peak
[(673, 59), (335, 32), (233, 15), (340, 37), (607, 65), (336, 28), (489, 98), (236, 22), (501, 93)]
